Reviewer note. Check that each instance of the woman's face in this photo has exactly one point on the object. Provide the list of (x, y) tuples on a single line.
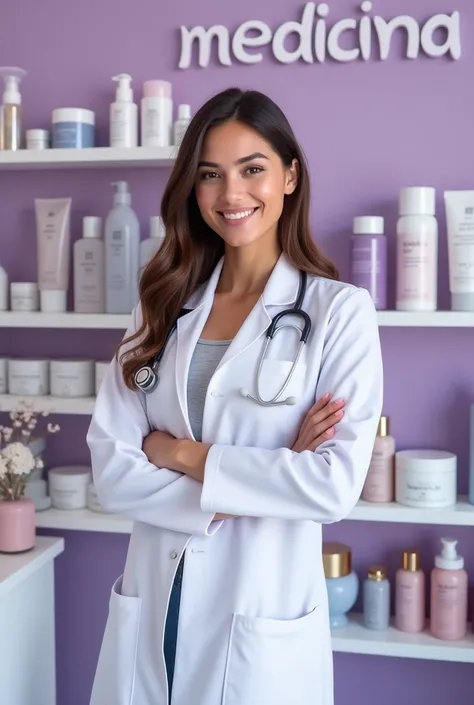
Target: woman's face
[(241, 184)]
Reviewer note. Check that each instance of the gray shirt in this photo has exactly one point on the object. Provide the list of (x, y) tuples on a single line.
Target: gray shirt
[(206, 357)]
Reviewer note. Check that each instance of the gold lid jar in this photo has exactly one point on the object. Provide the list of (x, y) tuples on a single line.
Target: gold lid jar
[(377, 573), (337, 559)]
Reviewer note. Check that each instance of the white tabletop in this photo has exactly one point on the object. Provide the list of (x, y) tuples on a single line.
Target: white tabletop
[(14, 568)]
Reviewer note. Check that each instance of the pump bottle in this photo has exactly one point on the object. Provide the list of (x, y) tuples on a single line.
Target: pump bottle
[(449, 594), (150, 246), (10, 111), (89, 285), (123, 114), (122, 245)]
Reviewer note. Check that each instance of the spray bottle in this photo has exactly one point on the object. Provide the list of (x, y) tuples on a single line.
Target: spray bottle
[(10, 110), (123, 114), (449, 588)]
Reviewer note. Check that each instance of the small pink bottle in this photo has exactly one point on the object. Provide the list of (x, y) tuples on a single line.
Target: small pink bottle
[(449, 594), (410, 594), (379, 483)]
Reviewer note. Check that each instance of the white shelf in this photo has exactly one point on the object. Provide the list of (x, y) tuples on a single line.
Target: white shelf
[(55, 405), (36, 319), (356, 639), (96, 157), (434, 319), (462, 514), (82, 520)]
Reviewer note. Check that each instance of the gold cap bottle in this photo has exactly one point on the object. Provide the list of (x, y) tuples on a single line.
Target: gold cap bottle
[(411, 560), (383, 428), (337, 559), (377, 572)]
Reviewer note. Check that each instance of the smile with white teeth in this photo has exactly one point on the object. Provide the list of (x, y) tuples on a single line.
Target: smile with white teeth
[(238, 215)]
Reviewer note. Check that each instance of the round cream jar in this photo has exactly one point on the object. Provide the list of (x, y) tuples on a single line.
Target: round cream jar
[(28, 377), (72, 378), (68, 486), (3, 375), (24, 296), (100, 370), (426, 479)]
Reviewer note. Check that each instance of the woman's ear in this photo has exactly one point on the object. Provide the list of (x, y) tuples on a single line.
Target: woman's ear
[(291, 177)]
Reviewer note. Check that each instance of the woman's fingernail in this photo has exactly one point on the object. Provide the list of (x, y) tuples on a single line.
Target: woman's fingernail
[(339, 401), (339, 413), (330, 431)]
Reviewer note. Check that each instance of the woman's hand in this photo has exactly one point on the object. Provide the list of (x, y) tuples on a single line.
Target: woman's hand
[(318, 424), (185, 456), (159, 447)]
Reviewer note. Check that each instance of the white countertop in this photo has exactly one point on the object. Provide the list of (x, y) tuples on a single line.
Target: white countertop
[(14, 568)]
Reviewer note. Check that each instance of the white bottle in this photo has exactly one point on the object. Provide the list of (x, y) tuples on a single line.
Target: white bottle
[(156, 114), (89, 285), (181, 124), (122, 245), (417, 251), (123, 114), (3, 290), (150, 246)]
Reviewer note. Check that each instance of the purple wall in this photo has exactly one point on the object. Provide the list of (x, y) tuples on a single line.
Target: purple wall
[(368, 129)]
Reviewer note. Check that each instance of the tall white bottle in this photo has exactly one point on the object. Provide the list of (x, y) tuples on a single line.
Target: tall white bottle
[(89, 285), (3, 289), (150, 246), (123, 114), (122, 247), (157, 114)]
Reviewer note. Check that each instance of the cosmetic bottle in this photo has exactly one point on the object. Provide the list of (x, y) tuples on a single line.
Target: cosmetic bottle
[(150, 246), (369, 258), (471, 455), (11, 135), (181, 124), (417, 251), (379, 483), (449, 588), (156, 114), (3, 289), (122, 244), (123, 114), (376, 598), (342, 582), (410, 594), (89, 288)]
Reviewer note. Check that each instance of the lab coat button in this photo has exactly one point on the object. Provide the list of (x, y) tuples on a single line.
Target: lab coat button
[(173, 555), (214, 393)]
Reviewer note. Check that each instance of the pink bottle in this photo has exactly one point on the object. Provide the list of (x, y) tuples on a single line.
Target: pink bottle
[(410, 594), (449, 594), (379, 483)]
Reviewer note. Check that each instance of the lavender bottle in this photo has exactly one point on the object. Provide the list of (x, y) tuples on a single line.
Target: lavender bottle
[(369, 258)]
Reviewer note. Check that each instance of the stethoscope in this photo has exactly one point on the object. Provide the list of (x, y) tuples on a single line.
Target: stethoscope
[(147, 378)]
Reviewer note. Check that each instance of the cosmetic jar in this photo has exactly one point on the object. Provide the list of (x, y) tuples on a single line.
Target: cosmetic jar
[(426, 479), (24, 296), (37, 139), (72, 378), (36, 490), (341, 581), (73, 128), (93, 502), (100, 370), (68, 486), (3, 375), (28, 377)]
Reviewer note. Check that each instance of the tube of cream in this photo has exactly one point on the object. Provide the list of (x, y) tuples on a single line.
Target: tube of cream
[(460, 221), (53, 246)]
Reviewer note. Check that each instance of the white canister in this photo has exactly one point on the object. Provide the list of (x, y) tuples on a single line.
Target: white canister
[(28, 377), (100, 370), (24, 296), (3, 375), (72, 378), (37, 139), (426, 479), (93, 502), (68, 486)]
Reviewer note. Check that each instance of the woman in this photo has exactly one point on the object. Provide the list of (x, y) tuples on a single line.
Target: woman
[(223, 595)]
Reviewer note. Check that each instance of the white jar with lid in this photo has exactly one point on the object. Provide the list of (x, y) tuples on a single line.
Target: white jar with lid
[(417, 250), (28, 377), (425, 478), (3, 375), (68, 486), (73, 128), (72, 378), (24, 296), (37, 139)]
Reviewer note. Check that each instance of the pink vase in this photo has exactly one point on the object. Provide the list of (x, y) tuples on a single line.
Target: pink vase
[(17, 526)]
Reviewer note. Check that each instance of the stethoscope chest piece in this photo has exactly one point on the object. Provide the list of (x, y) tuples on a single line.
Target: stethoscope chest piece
[(146, 379)]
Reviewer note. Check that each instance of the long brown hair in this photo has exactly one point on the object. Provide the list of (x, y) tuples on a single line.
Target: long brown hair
[(191, 248)]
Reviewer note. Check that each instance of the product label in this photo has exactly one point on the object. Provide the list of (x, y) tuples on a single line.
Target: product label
[(434, 489), (417, 268), (461, 254), (379, 483)]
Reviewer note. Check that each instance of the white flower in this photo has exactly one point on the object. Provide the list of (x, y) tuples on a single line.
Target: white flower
[(18, 458), (3, 467)]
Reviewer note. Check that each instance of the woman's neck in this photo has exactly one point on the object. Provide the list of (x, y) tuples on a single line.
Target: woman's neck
[(246, 270)]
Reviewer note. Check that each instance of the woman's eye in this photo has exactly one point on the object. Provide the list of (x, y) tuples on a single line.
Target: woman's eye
[(254, 170), (208, 175)]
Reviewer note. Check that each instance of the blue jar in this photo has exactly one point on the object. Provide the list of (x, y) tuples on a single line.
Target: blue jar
[(73, 128), (341, 582)]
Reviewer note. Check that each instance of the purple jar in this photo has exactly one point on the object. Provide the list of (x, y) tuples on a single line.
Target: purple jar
[(369, 258)]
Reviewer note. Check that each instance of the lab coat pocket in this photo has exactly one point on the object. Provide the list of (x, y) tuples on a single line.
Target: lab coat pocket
[(275, 373), (115, 675), (274, 661)]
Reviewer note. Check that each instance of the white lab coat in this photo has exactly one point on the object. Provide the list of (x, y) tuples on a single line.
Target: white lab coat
[(253, 624)]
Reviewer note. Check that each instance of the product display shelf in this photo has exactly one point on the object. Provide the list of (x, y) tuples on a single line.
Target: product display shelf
[(83, 520), (36, 319), (356, 639), (95, 157), (430, 319), (54, 405), (461, 514)]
